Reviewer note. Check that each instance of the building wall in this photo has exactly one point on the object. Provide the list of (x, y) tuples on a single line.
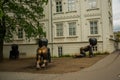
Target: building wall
[(82, 16), (119, 45), (25, 50), (73, 48), (69, 48)]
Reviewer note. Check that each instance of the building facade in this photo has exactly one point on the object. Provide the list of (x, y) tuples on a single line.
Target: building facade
[(69, 24)]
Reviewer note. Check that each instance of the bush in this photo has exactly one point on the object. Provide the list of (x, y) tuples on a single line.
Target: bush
[(106, 53), (67, 55), (99, 53)]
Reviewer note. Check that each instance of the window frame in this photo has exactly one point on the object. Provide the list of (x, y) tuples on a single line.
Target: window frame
[(20, 33), (73, 28), (94, 27), (58, 6), (71, 5), (95, 48), (59, 29), (60, 51), (92, 4)]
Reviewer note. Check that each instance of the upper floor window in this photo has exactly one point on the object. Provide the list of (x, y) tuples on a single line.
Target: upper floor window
[(43, 26), (71, 5), (94, 27), (58, 5), (72, 28), (20, 33), (92, 4), (59, 29)]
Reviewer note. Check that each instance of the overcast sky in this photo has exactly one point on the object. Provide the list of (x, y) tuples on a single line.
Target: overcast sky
[(116, 15)]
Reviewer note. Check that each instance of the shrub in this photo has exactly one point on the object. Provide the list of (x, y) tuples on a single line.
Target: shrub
[(104, 53)]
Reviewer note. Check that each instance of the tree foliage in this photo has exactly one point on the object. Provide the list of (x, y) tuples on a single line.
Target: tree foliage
[(25, 14), (117, 36), (1, 13)]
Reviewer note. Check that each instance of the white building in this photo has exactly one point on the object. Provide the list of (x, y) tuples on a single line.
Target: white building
[(69, 24)]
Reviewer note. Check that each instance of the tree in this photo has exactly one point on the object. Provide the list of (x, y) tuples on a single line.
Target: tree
[(117, 36), (1, 13), (117, 39), (25, 14)]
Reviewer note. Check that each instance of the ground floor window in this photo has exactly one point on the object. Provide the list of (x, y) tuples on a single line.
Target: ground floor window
[(60, 51), (95, 48)]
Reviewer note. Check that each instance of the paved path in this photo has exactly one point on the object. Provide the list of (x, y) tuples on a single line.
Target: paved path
[(106, 69)]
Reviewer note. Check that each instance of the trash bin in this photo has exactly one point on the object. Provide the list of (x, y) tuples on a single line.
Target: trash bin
[(14, 53)]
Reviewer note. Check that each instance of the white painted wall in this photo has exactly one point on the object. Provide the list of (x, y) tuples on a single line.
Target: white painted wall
[(25, 51), (119, 45), (81, 16)]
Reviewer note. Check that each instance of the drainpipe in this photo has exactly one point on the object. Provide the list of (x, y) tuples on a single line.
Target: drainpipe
[(51, 18)]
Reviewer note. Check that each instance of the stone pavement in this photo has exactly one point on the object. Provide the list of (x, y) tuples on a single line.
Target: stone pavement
[(106, 69)]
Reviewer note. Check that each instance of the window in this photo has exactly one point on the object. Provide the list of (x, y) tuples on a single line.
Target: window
[(71, 5), (59, 51), (72, 28), (43, 26), (92, 4), (94, 48), (58, 5), (59, 29), (20, 33), (93, 27)]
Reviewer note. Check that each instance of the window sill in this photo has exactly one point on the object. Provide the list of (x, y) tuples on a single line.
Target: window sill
[(58, 13), (92, 9), (59, 37), (72, 36), (94, 35), (71, 12), (21, 39)]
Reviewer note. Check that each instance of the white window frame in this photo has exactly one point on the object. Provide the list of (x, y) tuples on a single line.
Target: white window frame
[(20, 33), (92, 4), (71, 5), (93, 26), (59, 29), (43, 26), (72, 28), (95, 48), (58, 6), (60, 51)]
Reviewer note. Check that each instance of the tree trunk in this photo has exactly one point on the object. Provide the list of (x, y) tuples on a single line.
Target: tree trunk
[(1, 50), (2, 35)]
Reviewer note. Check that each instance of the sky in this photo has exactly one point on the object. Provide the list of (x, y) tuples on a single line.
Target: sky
[(116, 14)]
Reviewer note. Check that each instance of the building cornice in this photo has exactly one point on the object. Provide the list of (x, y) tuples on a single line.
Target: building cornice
[(72, 42), (66, 17)]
